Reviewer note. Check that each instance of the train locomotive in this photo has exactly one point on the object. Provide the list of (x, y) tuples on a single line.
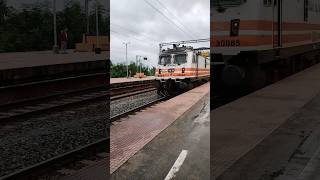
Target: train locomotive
[(252, 40), (180, 68)]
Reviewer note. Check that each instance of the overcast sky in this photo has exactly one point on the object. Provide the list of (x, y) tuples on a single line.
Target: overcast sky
[(137, 22)]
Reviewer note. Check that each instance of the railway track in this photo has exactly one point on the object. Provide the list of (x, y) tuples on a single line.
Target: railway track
[(21, 101), (23, 107), (52, 165), (119, 89), (42, 96), (55, 163), (137, 108), (24, 100), (149, 88), (44, 89), (36, 106), (130, 90)]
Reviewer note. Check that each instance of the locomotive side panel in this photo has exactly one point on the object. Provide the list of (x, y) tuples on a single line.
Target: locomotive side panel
[(259, 29), (249, 37), (249, 23)]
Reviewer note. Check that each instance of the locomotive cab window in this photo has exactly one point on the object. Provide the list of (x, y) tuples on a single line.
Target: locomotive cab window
[(180, 59), (164, 60)]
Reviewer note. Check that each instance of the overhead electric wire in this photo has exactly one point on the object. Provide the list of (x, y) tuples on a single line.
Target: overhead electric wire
[(134, 32), (117, 34), (155, 8), (177, 18), (134, 38)]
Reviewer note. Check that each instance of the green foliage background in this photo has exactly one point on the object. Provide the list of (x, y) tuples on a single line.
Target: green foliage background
[(120, 70), (31, 27)]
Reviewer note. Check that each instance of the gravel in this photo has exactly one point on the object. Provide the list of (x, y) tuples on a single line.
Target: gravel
[(38, 138), (130, 103), (35, 139)]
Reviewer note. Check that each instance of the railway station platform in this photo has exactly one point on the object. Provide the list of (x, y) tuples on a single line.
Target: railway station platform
[(129, 80), (145, 145), (273, 133), (22, 66)]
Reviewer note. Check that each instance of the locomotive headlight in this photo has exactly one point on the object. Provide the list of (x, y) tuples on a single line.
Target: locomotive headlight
[(159, 71), (171, 70), (234, 29), (183, 69)]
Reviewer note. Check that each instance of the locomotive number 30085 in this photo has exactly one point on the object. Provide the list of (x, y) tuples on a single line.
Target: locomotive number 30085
[(227, 43)]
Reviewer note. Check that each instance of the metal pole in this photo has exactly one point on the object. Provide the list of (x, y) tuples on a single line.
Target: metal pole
[(140, 64), (137, 63), (55, 47), (87, 15), (127, 59), (97, 24), (126, 43)]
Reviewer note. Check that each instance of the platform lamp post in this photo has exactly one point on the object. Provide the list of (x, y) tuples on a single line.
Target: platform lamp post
[(55, 46), (87, 16), (137, 63), (126, 44)]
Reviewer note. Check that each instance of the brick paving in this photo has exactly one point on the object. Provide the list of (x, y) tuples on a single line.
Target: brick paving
[(131, 134), (239, 126)]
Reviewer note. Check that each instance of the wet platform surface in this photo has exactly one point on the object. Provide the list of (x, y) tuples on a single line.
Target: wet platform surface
[(44, 58), (191, 134), (98, 171), (287, 153), (255, 136), (131, 134)]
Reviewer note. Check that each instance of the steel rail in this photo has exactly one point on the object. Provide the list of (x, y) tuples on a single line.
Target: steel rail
[(36, 170)]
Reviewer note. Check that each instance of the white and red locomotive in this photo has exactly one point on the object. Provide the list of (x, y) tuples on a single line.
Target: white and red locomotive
[(180, 67)]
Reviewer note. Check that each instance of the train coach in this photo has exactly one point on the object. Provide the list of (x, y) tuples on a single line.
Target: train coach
[(252, 38), (181, 68)]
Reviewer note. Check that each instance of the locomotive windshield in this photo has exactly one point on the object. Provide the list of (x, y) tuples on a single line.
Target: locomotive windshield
[(180, 58), (227, 2), (165, 59)]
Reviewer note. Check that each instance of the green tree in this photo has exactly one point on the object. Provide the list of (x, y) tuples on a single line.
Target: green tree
[(31, 27), (120, 70), (3, 12), (28, 29), (103, 20)]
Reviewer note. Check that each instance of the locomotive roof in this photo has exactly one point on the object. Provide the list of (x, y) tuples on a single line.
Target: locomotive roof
[(181, 49)]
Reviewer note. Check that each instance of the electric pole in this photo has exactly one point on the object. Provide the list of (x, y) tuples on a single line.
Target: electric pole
[(126, 44), (87, 15), (55, 46), (97, 23), (97, 49)]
